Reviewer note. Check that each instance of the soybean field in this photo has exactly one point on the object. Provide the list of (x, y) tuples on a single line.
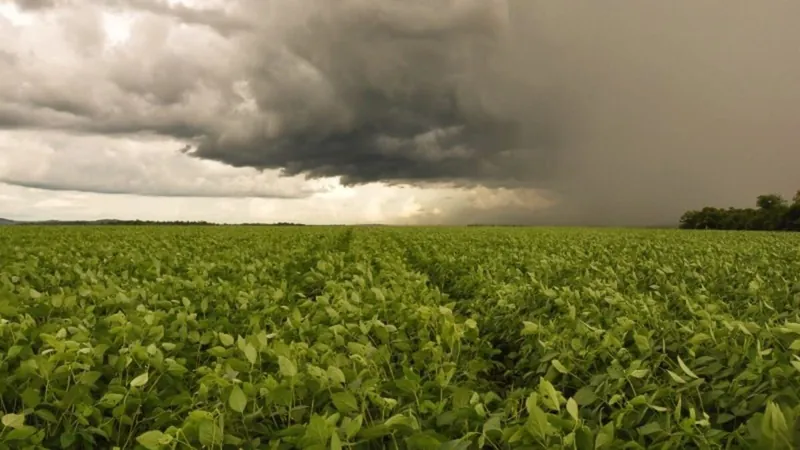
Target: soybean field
[(404, 338)]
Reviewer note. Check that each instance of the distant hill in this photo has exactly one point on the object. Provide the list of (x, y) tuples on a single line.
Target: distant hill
[(138, 222)]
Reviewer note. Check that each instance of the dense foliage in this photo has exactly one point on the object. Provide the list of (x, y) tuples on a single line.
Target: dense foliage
[(773, 214), (158, 338)]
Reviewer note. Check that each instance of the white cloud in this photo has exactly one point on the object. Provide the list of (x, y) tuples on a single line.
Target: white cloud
[(155, 167)]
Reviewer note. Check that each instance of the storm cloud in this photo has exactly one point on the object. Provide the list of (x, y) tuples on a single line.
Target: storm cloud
[(619, 112)]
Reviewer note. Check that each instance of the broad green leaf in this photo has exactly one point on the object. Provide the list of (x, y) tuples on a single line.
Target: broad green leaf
[(400, 420), (46, 415), (572, 409), (30, 397), (336, 375), (676, 377), (209, 433), (151, 440), (250, 353), (550, 396), (20, 434), (493, 424), (584, 440), (353, 426), (14, 420), (89, 378), (237, 400), (560, 367), (529, 328), (226, 339), (345, 402), (140, 380), (111, 399), (336, 442), (585, 396), (287, 367), (650, 428), (317, 430), (605, 437)]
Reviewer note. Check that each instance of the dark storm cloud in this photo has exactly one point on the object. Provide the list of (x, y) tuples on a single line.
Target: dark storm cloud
[(626, 112), (391, 91), (629, 113)]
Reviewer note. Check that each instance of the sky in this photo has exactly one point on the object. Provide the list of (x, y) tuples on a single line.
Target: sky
[(396, 111)]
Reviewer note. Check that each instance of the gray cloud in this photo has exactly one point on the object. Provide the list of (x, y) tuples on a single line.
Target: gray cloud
[(37, 4), (391, 91), (220, 21), (627, 113)]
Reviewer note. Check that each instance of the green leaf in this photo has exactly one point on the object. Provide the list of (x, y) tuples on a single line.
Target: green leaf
[(686, 369), (250, 353), (141, 380), (336, 442), (111, 399), (46, 415), (493, 424), (151, 440), (336, 375), (559, 367), (168, 346), (89, 378), (400, 420), (20, 434), (529, 328), (237, 400), (792, 327), (287, 367), (639, 373), (585, 396), (317, 430), (14, 420), (67, 439), (549, 394), (226, 339), (353, 426), (31, 398), (537, 423), (676, 377), (584, 440), (572, 409), (650, 428), (531, 402), (209, 433), (605, 437), (345, 402)]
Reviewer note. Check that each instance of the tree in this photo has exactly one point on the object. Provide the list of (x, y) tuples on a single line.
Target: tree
[(774, 213), (770, 201)]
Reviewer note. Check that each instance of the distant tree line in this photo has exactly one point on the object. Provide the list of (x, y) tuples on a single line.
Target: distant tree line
[(772, 213)]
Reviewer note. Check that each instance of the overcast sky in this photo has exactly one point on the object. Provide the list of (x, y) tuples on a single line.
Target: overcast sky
[(396, 111)]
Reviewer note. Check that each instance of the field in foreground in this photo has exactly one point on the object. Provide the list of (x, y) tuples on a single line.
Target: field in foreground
[(434, 338)]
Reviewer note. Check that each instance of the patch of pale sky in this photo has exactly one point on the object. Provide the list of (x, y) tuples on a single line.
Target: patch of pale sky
[(11, 12)]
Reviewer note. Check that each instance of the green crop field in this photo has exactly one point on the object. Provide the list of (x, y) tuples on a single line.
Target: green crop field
[(421, 338)]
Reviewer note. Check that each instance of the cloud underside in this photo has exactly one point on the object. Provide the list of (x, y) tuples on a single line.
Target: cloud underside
[(627, 115)]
